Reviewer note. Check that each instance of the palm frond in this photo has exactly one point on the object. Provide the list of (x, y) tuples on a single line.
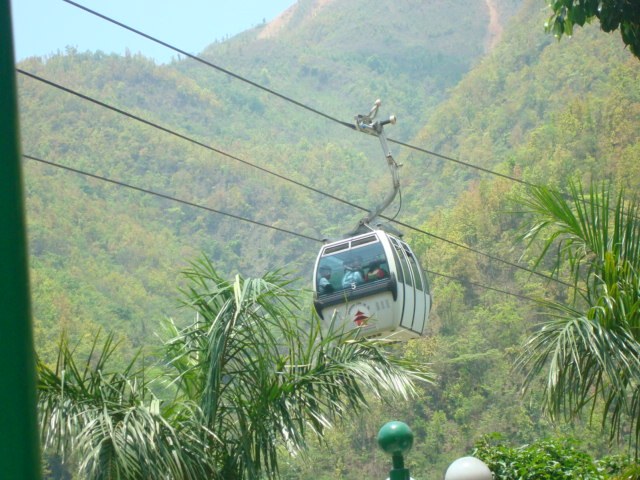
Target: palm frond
[(110, 424), (267, 376), (590, 350), (249, 376)]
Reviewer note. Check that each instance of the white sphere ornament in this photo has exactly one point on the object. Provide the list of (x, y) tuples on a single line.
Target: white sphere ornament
[(468, 468)]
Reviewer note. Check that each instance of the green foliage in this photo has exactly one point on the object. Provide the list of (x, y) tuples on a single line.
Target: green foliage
[(546, 459), (104, 256), (590, 348), (108, 423), (255, 370), (249, 379), (612, 14)]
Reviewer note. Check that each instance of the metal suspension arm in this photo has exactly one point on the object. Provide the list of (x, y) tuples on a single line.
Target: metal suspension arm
[(366, 124)]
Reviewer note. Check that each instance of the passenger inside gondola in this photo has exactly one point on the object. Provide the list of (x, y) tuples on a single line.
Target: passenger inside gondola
[(353, 273), (376, 271), (324, 280), (348, 269)]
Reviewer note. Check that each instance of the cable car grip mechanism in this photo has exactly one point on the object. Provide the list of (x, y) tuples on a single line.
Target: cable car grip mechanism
[(367, 124)]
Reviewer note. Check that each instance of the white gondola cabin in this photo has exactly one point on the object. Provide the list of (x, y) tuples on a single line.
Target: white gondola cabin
[(372, 282)]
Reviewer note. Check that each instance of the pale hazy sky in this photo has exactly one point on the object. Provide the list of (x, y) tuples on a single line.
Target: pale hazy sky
[(42, 27)]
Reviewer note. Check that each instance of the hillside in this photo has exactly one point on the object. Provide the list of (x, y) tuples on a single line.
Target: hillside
[(533, 90), (534, 110), (479, 83), (107, 255), (334, 54)]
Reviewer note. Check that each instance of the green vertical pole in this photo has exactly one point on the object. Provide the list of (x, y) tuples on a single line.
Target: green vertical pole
[(19, 451)]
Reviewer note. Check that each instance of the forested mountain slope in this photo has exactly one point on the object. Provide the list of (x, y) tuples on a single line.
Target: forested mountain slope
[(537, 111), (107, 255), (526, 106), (536, 107)]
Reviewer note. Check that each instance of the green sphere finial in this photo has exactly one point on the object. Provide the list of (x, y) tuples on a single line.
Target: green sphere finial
[(395, 438)]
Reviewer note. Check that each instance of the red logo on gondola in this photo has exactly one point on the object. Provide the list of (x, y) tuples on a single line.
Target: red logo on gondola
[(359, 314), (360, 317)]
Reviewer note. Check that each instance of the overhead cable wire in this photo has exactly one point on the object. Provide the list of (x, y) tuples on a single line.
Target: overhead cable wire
[(286, 98), (329, 117), (296, 102), (479, 252), (183, 137), (461, 162), (168, 197), (283, 177), (209, 64), (481, 285), (243, 219)]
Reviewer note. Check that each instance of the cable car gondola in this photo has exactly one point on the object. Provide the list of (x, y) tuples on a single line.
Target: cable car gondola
[(372, 280)]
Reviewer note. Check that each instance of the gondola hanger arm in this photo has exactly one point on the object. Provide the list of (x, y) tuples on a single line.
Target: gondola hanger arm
[(368, 124)]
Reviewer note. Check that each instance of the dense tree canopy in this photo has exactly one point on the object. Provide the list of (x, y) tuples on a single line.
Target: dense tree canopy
[(612, 14), (107, 256), (552, 459)]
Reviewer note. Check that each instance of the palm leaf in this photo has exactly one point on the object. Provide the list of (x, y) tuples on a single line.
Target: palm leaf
[(268, 378), (590, 349), (110, 424)]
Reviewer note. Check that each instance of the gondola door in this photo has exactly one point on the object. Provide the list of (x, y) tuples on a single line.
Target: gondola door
[(413, 292)]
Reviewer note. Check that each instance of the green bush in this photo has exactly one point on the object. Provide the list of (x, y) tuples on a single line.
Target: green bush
[(548, 459)]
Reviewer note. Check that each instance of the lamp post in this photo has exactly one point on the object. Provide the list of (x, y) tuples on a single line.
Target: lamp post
[(396, 439), (468, 468)]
